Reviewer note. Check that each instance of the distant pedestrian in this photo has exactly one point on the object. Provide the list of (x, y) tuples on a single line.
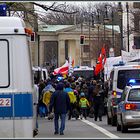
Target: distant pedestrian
[(61, 103), (84, 104)]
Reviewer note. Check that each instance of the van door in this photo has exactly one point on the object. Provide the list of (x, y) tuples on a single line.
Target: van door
[(6, 99)]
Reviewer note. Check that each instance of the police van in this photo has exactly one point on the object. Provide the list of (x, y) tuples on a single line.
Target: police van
[(40, 73), (119, 77), (17, 113), (83, 71)]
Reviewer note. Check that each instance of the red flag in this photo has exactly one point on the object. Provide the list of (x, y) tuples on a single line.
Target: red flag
[(101, 61)]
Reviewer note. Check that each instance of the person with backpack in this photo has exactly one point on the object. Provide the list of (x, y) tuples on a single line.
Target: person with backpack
[(72, 97), (47, 93), (84, 104), (60, 102)]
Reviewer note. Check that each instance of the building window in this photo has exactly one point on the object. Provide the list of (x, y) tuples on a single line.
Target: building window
[(86, 48), (66, 49), (136, 22), (137, 42)]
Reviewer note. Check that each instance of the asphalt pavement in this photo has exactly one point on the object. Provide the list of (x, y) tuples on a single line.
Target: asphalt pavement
[(83, 129)]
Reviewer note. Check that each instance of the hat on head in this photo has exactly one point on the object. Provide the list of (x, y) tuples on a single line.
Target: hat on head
[(82, 94)]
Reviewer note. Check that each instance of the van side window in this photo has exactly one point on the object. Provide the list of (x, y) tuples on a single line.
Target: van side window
[(4, 64), (111, 80)]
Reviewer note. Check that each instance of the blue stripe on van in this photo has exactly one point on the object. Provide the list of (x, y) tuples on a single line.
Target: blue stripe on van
[(23, 105), (6, 111)]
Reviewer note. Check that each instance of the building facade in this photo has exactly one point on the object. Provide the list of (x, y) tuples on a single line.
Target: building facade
[(56, 43)]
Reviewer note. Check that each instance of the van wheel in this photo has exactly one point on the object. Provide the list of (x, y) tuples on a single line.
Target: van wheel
[(113, 121), (35, 132), (124, 128), (118, 127), (108, 120)]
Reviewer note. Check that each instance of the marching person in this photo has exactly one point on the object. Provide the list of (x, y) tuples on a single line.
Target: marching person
[(98, 101), (72, 97), (61, 103)]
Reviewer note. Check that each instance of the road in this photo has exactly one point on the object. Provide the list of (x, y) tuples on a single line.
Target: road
[(84, 129)]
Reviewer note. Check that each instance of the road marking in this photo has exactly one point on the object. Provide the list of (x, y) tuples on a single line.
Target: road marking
[(101, 129)]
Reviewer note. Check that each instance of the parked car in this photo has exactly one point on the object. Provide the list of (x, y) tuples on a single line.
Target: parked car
[(119, 77), (128, 110)]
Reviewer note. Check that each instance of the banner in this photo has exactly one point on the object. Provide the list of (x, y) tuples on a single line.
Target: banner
[(129, 56)]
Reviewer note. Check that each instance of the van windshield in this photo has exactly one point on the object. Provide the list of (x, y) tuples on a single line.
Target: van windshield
[(83, 73), (125, 75)]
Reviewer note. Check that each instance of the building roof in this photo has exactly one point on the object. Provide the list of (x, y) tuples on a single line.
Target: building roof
[(53, 28)]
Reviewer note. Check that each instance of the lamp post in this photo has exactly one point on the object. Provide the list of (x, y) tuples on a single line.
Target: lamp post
[(105, 21), (112, 22), (89, 38), (120, 12), (39, 50), (98, 27), (90, 21), (127, 10)]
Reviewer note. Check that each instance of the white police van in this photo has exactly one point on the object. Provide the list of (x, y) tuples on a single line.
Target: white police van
[(83, 71), (16, 81), (119, 77), (40, 73)]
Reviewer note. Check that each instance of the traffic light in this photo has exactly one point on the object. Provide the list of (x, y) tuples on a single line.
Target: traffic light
[(82, 39), (33, 37), (3, 9)]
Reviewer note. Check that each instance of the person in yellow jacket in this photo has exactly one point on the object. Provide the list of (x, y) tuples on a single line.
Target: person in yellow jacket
[(47, 96), (72, 97), (84, 104)]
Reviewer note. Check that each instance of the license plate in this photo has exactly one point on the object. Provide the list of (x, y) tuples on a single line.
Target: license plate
[(5, 102)]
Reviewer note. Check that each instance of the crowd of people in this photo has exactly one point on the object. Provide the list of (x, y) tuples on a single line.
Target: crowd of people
[(79, 97)]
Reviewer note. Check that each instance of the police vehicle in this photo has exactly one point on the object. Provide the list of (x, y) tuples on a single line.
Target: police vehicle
[(119, 78), (83, 71), (128, 111), (40, 73), (17, 104)]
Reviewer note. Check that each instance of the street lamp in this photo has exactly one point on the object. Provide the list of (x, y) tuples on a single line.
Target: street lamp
[(90, 17), (112, 22), (120, 12), (98, 27), (106, 19), (127, 9)]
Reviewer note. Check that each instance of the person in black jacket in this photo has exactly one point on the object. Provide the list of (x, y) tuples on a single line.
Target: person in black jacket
[(98, 102), (61, 103)]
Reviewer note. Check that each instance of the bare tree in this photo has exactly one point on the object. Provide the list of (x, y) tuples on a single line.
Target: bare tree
[(83, 13), (27, 11)]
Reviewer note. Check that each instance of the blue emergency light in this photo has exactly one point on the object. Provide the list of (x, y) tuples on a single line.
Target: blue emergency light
[(3, 9), (132, 81), (59, 78)]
